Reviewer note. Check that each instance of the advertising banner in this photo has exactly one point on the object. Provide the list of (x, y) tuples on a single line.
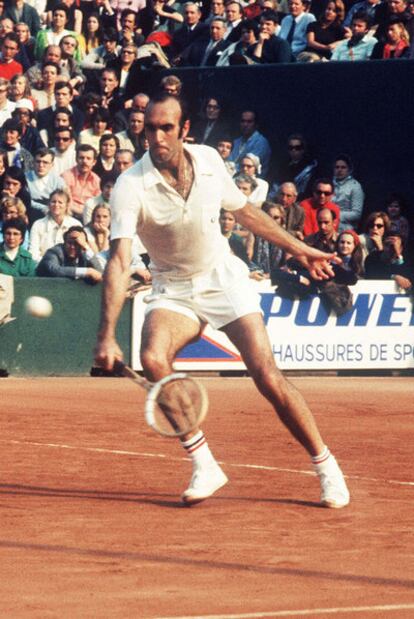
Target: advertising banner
[(377, 333)]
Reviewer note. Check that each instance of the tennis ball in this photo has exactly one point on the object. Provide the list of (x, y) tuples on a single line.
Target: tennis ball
[(39, 307)]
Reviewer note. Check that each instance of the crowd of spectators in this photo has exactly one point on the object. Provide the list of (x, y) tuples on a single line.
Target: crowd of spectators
[(73, 93)]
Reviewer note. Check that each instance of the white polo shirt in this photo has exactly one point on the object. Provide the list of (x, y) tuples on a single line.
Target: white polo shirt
[(183, 238)]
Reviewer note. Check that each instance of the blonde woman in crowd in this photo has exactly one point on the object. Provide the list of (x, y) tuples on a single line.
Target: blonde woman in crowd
[(49, 230)]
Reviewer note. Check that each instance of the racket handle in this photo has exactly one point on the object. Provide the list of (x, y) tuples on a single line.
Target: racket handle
[(119, 367), (122, 369)]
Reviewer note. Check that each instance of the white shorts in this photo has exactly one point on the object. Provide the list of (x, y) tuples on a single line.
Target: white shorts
[(218, 297)]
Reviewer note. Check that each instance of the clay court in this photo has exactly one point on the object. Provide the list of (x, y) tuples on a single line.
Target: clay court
[(92, 526)]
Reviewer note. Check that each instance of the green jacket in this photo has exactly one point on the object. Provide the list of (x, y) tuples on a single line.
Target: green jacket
[(22, 266), (41, 43)]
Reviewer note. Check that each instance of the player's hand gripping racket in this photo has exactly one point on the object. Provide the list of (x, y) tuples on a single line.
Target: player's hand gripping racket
[(175, 405)]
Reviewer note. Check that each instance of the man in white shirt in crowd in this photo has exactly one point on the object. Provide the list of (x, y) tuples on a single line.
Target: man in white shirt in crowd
[(64, 150), (42, 180)]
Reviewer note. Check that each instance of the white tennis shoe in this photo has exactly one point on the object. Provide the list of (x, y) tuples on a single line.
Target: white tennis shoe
[(204, 482), (334, 491)]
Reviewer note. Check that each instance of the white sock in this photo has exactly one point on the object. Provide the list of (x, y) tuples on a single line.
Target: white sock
[(198, 450), (322, 460)]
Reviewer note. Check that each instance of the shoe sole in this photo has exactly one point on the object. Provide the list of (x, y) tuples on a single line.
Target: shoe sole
[(189, 499), (333, 504)]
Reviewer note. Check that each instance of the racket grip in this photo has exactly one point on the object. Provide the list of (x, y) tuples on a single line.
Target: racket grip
[(119, 367)]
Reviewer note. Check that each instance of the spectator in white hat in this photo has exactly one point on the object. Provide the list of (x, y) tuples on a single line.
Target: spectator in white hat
[(30, 137)]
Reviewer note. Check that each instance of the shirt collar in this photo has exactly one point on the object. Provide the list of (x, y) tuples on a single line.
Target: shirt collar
[(152, 176)]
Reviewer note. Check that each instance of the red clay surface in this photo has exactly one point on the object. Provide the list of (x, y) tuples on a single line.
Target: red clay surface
[(91, 524)]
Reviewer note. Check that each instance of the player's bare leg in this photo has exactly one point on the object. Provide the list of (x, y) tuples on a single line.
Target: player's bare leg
[(164, 334), (250, 337)]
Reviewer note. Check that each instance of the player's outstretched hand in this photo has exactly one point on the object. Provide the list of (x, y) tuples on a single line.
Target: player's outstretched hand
[(107, 352), (318, 263)]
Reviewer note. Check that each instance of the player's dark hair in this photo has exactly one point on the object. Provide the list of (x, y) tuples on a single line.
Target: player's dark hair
[(162, 97)]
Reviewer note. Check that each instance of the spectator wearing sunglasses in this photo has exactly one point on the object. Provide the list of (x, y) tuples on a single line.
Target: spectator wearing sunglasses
[(64, 149), (377, 225), (321, 198), (298, 167)]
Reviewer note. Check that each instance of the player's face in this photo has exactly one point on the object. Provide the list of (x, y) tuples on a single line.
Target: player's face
[(164, 134)]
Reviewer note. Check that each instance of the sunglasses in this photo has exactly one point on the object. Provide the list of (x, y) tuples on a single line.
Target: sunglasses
[(323, 193), (295, 147), (379, 226)]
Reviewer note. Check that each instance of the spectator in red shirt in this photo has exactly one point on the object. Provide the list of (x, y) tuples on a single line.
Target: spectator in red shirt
[(321, 198), (9, 49), (81, 181)]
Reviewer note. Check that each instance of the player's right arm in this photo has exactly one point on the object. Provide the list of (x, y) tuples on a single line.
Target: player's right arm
[(116, 279)]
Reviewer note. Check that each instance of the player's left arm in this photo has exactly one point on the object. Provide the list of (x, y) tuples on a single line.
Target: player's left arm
[(317, 262)]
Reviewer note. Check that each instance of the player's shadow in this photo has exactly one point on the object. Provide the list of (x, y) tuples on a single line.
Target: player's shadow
[(150, 498)]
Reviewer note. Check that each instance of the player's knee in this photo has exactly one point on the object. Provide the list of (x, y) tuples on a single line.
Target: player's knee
[(154, 364), (271, 383)]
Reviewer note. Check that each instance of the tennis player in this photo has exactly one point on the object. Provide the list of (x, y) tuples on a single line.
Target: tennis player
[(172, 198)]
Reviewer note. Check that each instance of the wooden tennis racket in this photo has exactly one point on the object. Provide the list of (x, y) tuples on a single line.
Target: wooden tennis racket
[(175, 405)]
